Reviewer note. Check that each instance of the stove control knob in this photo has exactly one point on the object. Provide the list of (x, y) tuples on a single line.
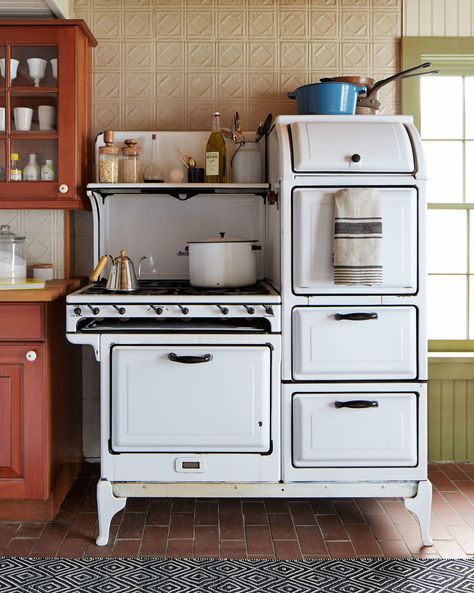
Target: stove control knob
[(250, 310), (95, 310), (184, 310), (355, 158), (157, 310), (77, 310), (268, 309), (121, 310), (223, 310)]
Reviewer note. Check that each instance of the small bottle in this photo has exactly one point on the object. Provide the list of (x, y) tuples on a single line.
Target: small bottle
[(47, 171), (130, 162), (15, 171), (152, 172), (109, 160), (216, 153), (32, 170)]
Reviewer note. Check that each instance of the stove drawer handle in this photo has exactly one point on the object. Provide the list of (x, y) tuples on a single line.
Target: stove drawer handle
[(355, 316), (189, 359), (357, 404)]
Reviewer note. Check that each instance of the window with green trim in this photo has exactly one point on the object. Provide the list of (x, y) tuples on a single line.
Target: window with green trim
[(443, 109)]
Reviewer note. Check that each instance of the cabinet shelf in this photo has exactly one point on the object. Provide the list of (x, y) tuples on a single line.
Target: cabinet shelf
[(32, 90), (34, 135)]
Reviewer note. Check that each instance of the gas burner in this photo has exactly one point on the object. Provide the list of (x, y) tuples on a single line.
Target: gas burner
[(179, 287)]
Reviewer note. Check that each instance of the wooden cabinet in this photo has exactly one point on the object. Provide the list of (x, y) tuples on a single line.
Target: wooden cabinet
[(45, 112), (40, 409)]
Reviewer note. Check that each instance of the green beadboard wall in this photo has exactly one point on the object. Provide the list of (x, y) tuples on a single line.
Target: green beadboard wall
[(451, 407)]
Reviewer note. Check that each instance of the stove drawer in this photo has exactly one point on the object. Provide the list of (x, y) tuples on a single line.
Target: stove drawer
[(192, 398), (355, 429), (354, 343), (329, 146), (313, 236)]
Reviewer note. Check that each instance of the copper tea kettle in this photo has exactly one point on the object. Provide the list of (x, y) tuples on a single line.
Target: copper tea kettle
[(122, 277)]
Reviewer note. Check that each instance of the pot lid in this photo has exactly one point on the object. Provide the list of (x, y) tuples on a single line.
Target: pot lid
[(223, 238), (8, 236)]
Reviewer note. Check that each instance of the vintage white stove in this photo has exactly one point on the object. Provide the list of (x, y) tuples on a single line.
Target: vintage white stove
[(292, 387)]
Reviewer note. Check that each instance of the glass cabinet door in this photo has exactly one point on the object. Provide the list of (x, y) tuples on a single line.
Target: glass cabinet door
[(2, 114)]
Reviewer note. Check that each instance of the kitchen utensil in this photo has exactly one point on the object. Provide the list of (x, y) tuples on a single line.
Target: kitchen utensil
[(263, 128), (122, 277), (36, 69), (326, 98), (237, 125), (369, 102), (187, 160), (222, 262), (12, 262)]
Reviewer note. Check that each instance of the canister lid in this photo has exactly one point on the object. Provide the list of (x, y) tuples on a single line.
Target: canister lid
[(223, 238), (8, 236), (131, 147)]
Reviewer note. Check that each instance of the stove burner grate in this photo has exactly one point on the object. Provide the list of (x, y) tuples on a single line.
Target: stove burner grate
[(179, 287)]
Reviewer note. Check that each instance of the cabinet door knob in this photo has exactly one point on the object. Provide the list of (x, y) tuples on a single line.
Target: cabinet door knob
[(63, 188), (31, 355)]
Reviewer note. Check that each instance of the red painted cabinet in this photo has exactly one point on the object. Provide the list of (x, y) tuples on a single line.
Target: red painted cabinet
[(45, 112)]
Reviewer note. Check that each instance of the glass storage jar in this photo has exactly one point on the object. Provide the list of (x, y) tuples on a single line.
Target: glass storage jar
[(130, 162), (109, 160), (12, 260)]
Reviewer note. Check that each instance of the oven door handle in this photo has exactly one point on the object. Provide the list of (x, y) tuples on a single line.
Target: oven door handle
[(355, 316), (189, 359), (357, 404)]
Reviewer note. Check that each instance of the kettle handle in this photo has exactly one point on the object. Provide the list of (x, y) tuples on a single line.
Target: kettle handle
[(140, 266), (99, 267)]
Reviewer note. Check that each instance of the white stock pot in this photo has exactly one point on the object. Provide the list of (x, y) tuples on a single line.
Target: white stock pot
[(222, 262)]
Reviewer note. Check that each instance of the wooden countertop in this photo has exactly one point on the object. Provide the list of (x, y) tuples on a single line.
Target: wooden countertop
[(53, 290)]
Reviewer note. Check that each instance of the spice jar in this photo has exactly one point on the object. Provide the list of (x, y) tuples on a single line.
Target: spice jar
[(130, 162), (109, 160)]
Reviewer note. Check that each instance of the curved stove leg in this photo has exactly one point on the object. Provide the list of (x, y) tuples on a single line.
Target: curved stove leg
[(420, 506), (107, 506)]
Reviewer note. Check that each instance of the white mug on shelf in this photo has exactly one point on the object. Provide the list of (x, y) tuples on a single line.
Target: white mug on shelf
[(37, 69), (47, 117), (13, 68), (2, 119), (54, 67), (23, 117)]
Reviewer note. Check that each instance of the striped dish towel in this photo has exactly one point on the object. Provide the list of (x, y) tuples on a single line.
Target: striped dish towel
[(357, 237)]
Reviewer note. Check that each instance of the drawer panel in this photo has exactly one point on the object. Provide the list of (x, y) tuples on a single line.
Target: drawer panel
[(354, 343), (327, 146), (21, 321), (326, 433), (313, 237)]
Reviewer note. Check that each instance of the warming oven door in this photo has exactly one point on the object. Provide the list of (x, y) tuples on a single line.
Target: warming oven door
[(313, 235), (197, 398)]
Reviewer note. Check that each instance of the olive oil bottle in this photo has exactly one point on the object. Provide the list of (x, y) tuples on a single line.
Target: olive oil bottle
[(216, 154)]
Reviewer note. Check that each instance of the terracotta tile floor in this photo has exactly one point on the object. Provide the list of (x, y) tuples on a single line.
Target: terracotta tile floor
[(254, 528)]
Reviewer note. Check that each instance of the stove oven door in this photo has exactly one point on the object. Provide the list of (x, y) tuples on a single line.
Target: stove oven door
[(191, 398), (313, 235)]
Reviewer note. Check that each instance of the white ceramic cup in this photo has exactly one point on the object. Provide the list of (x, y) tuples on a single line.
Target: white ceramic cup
[(23, 117), (13, 68), (47, 117), (2, 119), (54, 67), (37, 69)]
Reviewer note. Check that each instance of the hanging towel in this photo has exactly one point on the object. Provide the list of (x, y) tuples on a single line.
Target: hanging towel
[(357, 237)]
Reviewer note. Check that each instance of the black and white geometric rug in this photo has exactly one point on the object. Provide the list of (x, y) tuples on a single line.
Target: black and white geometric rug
[(193, 575)]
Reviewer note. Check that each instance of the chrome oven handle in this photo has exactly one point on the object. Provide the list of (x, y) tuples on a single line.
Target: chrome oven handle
[(189, 359)]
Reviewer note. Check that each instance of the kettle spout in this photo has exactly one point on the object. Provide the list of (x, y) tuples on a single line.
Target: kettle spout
[(99, 267)]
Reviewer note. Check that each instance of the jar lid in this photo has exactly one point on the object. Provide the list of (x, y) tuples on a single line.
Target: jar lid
[(42, 266), (131, 147), (8, 236), (114, 150)]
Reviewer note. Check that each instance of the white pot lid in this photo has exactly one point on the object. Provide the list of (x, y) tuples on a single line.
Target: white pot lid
[(223, 238)]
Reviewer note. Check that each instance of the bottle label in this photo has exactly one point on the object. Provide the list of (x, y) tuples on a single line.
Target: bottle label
[(15, 174), (212, 163)]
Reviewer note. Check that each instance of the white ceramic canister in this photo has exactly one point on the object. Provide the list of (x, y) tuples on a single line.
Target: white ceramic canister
[(12, 261), (246, 164), (222, 262)]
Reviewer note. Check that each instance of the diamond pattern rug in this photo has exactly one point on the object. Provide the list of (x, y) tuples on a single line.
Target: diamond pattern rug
[(181, 575)]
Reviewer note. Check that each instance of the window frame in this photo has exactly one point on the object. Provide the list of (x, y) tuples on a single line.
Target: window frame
[(453, 56)]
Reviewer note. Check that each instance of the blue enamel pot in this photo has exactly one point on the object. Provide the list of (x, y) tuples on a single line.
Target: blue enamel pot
[(327, 98)]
